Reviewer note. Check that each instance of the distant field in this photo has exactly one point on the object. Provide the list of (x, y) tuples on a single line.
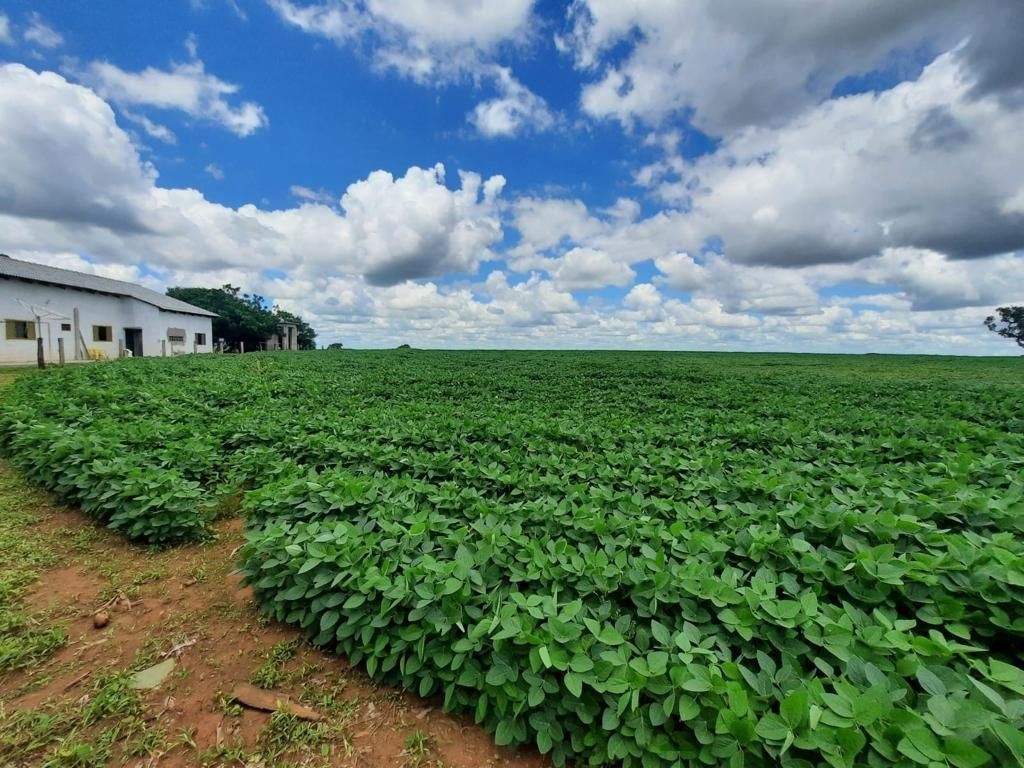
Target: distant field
[(651, 559)]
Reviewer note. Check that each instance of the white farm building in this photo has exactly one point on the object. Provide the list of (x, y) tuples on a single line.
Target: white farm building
[(95, 316)]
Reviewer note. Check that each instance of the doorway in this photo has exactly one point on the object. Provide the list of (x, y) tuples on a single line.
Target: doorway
[(133, 341)]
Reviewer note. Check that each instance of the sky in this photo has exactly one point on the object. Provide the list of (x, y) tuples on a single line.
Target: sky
[(801, 175)]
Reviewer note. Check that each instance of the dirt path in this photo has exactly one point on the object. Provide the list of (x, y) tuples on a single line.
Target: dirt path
[(65, 694)]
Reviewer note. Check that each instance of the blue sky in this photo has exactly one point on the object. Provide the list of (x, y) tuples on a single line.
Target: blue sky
[(815, 176)]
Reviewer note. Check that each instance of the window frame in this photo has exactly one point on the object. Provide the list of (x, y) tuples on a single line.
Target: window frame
[(98, 331), (11, 328)]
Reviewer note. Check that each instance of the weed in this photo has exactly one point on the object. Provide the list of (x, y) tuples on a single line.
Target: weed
[(76, 754), (112, 696), (188, 738), (147, 576), (286, 733), (149, 741), (223, 754), (267, 675), (327, 699), (226, 505), (26, 732), (270, 674), (227, 705), (284, 651), (418, 747), (23, 551), (27, 646)]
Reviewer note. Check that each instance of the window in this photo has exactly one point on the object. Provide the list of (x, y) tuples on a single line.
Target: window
[(201, 339), (102, 333), (65, 326), (20, 329)]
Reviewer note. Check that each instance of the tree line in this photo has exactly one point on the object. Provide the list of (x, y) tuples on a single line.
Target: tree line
[(243, 318)]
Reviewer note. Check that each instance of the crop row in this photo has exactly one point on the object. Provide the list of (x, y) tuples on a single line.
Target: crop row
[(628, 632)]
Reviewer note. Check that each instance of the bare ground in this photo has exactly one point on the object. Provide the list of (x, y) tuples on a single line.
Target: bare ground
[(64, 693)]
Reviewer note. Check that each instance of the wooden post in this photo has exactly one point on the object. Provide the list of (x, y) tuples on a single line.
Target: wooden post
[(241, 347), (39, 352), (120, 348), (163, 347), (79, 348), (60, 350), (195, 347)]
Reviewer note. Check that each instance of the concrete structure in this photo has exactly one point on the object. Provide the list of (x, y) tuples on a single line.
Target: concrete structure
[(287, 337), (95, 317)]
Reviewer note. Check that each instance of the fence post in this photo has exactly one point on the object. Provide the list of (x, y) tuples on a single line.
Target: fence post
[(163, 347), (80, 348), (60, 350), (40, 360), (241, 347)]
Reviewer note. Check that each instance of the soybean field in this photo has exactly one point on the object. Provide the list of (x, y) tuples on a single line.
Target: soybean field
[(637, 559)]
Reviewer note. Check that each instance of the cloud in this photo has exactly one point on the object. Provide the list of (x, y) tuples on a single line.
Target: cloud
[(437, 43), (544, 225), (931, 281), (73, 181), (739, 64), (233, 6), (152, 129), (312, 195), (340, 22), (6, 38), (925, 165), (516, 110), (186, 87), (414, 227), (64, 158), (428, 41), (739, 289), (992, 50), (41, 33), (368, 270), (642, 296), (215, 171), (588, 268)]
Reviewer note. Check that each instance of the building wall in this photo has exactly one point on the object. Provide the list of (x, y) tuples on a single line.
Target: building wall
[(118, 312)]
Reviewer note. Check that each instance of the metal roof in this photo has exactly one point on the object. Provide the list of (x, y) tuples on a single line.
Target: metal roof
[(40, 273)]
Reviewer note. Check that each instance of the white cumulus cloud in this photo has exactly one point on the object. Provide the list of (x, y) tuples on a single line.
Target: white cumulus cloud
[(515, 110), (589, 268), (74, 181), (186, 87)]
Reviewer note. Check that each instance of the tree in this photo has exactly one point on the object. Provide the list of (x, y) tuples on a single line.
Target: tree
[(242, 317), (305, 335), (1009, 324), (336, 345)]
